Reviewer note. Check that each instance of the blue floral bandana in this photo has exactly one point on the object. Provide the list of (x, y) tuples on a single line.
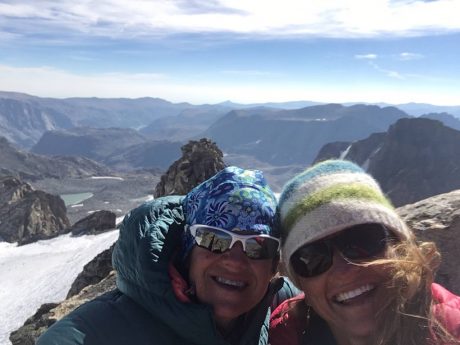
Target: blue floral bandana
[(235, 200)]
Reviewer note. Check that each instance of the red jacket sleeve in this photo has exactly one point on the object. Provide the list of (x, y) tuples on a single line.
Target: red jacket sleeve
[(447, 308)]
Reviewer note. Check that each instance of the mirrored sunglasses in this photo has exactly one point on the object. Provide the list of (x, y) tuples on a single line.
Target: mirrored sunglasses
[(359, 242), (217, 240)]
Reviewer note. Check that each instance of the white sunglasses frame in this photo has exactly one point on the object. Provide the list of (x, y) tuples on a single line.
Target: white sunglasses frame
[(235, 237)]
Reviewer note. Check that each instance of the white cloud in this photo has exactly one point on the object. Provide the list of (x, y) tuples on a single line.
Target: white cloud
[(409, 56), (7, 36), (334, 18), (59, 83), (255, 73), (17, 9), (387, 72), (366, 56)]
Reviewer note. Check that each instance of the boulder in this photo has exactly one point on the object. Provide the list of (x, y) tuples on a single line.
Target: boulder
[(437, 219), (95, 223), (200, 160), (28, 215)]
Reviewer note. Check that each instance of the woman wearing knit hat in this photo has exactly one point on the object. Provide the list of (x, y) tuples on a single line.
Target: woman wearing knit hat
[(365, 279), (190, 270)]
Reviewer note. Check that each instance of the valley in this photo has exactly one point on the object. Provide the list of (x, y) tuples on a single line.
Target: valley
[(118, 195)]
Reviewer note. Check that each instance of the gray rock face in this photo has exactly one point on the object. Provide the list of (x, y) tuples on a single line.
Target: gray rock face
[(93, 272), (28, 215), (200, 160), (95, 223), (438, 219)]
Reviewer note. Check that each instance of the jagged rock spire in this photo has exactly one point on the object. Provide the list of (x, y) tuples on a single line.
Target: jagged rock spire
[(200, 160)]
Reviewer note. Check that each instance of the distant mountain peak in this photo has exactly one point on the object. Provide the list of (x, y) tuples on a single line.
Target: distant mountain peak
[(416, 158)]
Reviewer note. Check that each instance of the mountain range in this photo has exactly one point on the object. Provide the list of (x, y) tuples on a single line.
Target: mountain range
[(131, 134), (271, 136), (24, 118)]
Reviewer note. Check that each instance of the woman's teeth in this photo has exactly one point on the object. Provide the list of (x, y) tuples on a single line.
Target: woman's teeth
[(235, 283), (344, 296)]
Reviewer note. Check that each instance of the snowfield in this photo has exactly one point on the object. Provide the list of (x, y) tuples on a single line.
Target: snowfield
[(42, 272)]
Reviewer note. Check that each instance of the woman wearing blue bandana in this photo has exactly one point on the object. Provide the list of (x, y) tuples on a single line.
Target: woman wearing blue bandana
[(190, 270)]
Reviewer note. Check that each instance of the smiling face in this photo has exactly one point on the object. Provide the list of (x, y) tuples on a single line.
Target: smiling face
[(348, 297), (230, 282)]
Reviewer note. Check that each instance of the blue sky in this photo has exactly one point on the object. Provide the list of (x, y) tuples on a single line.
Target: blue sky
[(246, 51)]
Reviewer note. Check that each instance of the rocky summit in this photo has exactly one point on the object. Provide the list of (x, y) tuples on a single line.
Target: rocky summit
[(200, 160), (28, 215)]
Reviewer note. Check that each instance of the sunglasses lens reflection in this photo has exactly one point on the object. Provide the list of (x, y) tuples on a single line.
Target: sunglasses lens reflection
[(311, 260), (219, 241), (215, 241), (261, 248)]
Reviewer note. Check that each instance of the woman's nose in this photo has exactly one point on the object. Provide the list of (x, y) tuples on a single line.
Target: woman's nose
[(236, 253)]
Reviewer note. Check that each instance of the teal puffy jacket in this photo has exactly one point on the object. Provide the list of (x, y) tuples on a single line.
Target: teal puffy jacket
[(144, 309)]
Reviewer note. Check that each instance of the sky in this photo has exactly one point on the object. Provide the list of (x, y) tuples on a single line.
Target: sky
[(246, 51), (42, 272)]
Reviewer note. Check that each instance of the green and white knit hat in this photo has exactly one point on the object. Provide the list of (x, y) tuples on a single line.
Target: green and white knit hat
[(329, 197)]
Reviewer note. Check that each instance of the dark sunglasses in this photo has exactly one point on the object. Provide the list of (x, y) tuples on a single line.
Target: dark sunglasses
[(359, 242), (218, 241)]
